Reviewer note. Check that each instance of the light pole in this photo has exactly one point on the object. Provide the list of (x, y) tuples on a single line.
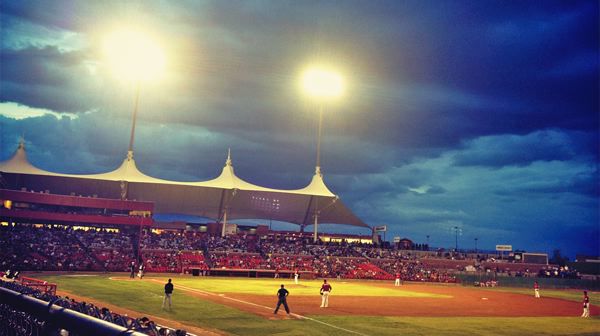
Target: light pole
[(321, 84), (134, 57), (319, 135), (476, 245), (427, 242), (456, 238), (134, 119)]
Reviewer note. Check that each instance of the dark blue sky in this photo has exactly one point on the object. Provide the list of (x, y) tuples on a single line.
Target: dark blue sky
[(477, 114)]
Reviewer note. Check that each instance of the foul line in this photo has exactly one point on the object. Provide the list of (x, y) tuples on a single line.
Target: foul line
[(205, 293), (331, 325)]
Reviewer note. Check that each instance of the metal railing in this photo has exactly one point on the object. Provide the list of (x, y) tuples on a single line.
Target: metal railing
[(25, 315)]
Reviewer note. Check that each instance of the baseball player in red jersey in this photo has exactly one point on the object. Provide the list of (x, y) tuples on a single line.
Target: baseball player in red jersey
[(586, 305), (536, 289), (397, 283), (325, 290)]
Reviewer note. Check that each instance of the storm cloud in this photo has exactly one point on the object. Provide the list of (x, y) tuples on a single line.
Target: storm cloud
[(481, 115)]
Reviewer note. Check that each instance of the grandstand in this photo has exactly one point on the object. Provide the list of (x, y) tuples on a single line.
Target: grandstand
[(73, 233), (107, 221), (104, 223), (225, 197), (111, 248)]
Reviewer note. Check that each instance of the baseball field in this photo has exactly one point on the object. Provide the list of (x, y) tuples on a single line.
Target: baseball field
[(243, 306)]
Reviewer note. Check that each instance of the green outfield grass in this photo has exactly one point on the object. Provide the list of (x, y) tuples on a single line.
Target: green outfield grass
[(568, 294), (146, 297)]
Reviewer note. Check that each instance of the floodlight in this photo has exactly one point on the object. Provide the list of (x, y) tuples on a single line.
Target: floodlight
[(134, 56), (322, 83)]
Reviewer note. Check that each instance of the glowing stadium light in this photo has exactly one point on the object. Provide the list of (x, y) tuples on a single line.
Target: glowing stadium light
[(322, 83), (134, 55)]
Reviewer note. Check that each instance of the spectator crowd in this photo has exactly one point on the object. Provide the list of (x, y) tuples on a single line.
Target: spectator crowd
[(143, 324), (62, 248)]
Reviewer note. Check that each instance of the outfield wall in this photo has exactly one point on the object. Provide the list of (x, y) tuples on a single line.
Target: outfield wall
[(258, 273), (527, 282)]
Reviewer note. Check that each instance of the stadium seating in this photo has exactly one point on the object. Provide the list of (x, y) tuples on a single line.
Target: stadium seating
[(143, 324), (60, 248)]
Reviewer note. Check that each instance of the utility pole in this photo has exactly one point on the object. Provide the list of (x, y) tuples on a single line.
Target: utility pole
[(456, 238)]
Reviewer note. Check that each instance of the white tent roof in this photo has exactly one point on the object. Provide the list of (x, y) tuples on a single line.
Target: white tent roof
[(227, 192), (19, 163)]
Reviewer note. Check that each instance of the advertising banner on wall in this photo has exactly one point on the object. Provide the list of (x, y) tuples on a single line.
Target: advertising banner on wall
[(503, 247)]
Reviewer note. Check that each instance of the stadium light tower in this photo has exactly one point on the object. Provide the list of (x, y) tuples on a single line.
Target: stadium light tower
[(134, 57), (322, 85), (457, 231)]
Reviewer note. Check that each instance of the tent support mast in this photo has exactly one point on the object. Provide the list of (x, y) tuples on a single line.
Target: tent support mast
[(224, 223), (223, 207), (139, 247), (124, 189), (315, 236), (305, 222), (317, 212), (221, 211)]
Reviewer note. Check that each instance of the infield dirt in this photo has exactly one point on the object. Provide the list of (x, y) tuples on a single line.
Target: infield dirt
[(462, 302)]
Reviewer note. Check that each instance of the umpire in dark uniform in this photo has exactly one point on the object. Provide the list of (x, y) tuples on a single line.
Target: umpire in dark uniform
[(132, 270), (282, 294), (168, 293)]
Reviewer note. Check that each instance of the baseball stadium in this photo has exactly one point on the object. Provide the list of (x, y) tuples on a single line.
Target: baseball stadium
[(91, 246), (434, 123)]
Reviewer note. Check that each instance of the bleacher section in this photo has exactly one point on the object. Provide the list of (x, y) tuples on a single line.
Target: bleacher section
[(62, 248)]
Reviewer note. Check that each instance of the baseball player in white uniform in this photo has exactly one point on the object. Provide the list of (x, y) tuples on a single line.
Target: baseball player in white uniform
[(325, 290)]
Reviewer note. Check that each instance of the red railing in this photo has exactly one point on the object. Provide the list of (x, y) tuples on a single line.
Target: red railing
[(75, 201), (38, 284)]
